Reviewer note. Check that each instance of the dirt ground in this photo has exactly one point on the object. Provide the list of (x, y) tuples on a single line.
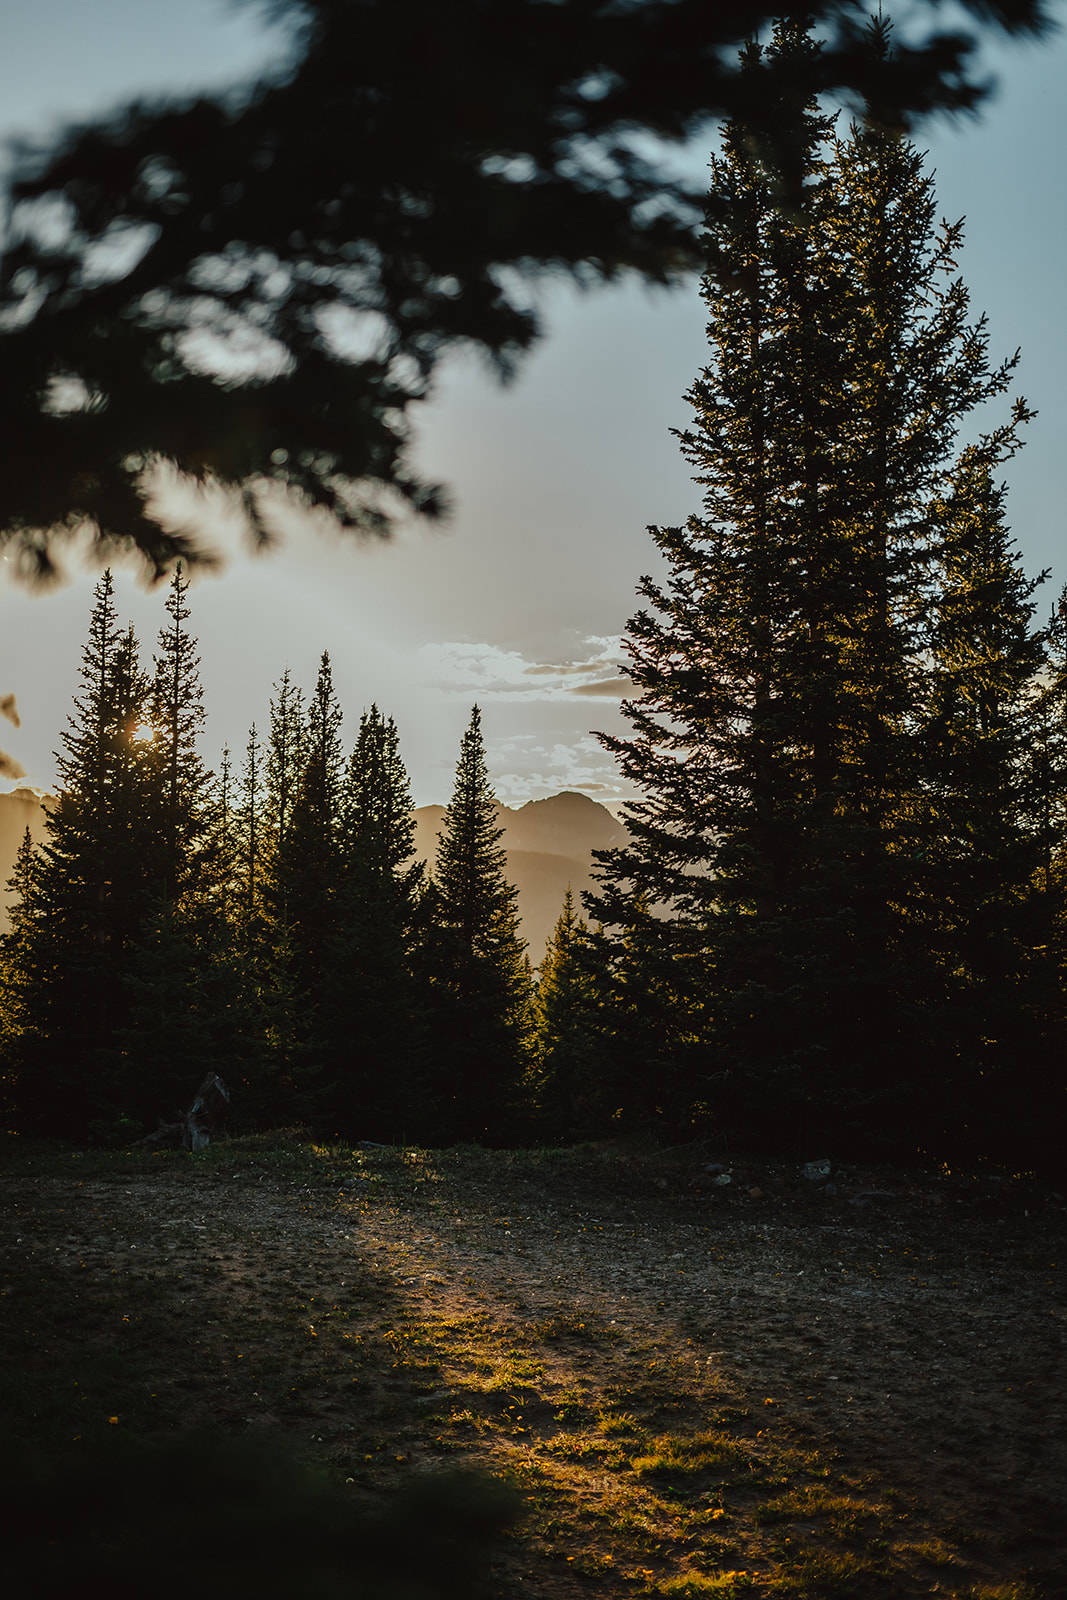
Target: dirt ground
[(702, 1377)]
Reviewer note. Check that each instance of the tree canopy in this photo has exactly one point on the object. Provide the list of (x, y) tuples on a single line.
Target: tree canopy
[(256, 287)]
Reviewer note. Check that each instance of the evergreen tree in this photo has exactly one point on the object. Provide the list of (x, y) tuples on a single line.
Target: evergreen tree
[(177, 1023), (1047, 765), (310, 854), (481, 994), (95, 883), (733, 659), (374, 1015), (178, 988), (779, 668), (177, 721), (570, 1070), (265, 1005), (974, 886), (471, 862), (1041, 1084), (250, 830), (306, 878), (222, 831), (17, 975), (284, 766), (412, 166)]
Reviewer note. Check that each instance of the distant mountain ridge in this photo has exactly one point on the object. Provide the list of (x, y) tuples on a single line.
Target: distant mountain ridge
[(549, 846)]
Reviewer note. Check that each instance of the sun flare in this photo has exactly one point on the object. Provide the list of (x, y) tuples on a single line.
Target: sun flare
[(142, 734)]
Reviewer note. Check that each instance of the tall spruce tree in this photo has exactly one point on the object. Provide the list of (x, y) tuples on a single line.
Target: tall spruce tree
[(734, 659), (307, 875), (223, 832), (263, 1004), (94, 885), (980, 862), (250, 830), (311, 849), (284, 766), (1043, 1082), (779, 668), (177, 721), (181, 977), (481, 991), (373, 1021), (18, 975), (570, 1070)]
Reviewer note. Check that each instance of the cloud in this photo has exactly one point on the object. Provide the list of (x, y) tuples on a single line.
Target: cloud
[(537, 723), (9, 767), (583, 765), (612, 688), (488, 672), (483, 670)]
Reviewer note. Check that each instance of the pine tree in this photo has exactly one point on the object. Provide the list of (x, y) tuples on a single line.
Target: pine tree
[(306, 877), (373, 1020), (471, 862), (180, 983), (285, 754), (95, 882), (570, 1069), (309, 853), (262, 1021), (177, 720), (250, 830), (1040, 1085), (283, 767), (18, 975), (779, 667), (481, 994), (981, 858), (733, 659)]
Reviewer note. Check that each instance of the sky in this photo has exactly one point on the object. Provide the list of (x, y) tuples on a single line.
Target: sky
[(519, 603)]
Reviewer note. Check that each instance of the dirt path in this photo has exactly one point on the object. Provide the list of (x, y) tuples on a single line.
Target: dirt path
[(697, 1388)]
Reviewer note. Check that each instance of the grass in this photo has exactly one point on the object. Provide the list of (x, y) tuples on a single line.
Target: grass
[(699, 1455), (691, 1585)]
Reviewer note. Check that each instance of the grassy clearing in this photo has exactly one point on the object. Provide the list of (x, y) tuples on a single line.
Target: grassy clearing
[(274, 1289)]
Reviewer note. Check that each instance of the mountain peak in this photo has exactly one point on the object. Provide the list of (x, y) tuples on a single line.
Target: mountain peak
[(567, 798)]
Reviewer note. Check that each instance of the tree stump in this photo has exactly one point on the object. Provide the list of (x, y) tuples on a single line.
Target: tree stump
[(194, 1128)]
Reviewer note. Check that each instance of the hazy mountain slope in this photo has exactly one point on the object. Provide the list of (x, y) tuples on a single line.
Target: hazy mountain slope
[(19, 810), (549, 845), (542, 881), (567, 824)]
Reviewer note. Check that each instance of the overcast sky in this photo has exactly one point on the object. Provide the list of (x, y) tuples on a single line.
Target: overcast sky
[(520, 602)]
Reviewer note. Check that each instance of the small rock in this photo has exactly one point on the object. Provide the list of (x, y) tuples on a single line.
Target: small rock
[(865, 1196), (755, 1193), (816, 1171), (724, 1177)]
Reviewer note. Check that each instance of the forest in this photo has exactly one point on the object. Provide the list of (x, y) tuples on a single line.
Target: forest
[(841, 913)]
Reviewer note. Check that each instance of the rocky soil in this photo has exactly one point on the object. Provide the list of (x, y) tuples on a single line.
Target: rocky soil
[(701, 1377)]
